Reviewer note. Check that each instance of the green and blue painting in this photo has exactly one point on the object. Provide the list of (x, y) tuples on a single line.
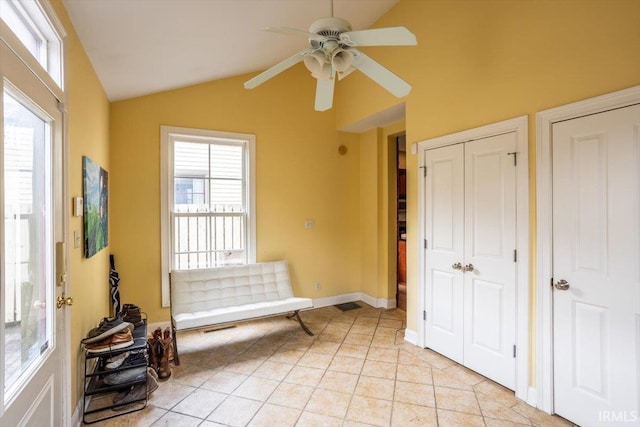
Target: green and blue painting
[(95, 181)]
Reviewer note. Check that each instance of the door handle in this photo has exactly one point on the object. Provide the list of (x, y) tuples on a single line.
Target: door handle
[(562, 285), (63, 300), (457, 266), (468, 267)]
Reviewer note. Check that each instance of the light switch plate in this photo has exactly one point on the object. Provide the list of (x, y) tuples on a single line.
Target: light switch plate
[(77, 239)]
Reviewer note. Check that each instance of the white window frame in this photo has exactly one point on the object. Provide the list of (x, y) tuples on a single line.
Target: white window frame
[(168, 134), (40, 18)]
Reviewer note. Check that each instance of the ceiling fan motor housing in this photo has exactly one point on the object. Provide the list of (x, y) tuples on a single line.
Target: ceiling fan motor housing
[(330, 27)]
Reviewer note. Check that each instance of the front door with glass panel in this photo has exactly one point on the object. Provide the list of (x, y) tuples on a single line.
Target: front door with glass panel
[(31, 206)]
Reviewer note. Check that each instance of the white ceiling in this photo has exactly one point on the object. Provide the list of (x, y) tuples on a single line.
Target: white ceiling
[(139, 47)]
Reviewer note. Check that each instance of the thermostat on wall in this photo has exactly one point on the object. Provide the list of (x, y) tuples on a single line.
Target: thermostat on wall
[(78, 206)]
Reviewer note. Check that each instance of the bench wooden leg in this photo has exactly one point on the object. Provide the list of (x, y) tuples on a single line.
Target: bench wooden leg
[(176, 357), (296, 314)]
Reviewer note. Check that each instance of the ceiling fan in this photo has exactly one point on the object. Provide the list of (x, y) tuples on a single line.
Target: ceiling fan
[(332, 50)]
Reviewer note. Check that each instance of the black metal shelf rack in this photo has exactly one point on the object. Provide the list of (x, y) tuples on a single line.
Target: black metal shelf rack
[(98, 395)]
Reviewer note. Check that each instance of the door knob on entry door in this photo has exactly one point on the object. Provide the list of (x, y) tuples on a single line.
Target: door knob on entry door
[(457, 266), (468, 267), (562, 285), (64, 300)]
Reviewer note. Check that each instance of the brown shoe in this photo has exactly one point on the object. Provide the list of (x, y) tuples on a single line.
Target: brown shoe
[(114, 342), (131, 313), (167, 342), (164, 368), (154, 346)]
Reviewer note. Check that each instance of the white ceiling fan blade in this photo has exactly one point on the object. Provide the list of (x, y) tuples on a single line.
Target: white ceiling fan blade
[(324, 93), (276, 69), (293, 31), (391, 36), (380, 74), (343, 74)]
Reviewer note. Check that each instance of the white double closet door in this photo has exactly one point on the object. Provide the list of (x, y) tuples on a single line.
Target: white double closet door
[(470, 259)]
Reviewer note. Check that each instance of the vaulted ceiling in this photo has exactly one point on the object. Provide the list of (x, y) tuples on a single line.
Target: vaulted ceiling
[(139, 47)]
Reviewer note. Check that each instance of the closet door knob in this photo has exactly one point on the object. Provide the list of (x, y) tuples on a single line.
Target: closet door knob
[(457, 266), (468, 267)]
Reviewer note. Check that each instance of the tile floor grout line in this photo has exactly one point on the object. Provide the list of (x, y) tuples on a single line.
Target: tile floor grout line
[(379, 349)]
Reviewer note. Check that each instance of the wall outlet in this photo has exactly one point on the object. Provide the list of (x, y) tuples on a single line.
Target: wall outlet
[(308, 223), (318, 286)]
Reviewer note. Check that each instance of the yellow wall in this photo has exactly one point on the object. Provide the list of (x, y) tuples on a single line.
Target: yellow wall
[(479, 62), (369, 142), (88, 114), (300, 175), (378, 214)]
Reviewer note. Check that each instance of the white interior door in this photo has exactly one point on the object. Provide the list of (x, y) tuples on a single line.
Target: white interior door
[(489, 258), (32, 328), (444, 250), (596, 268), (469, 257)]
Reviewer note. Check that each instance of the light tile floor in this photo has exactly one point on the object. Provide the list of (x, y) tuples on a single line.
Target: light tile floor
[(356, 371)]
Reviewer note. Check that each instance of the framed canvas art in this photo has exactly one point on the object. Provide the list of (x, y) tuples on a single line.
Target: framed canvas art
[(95, 188)]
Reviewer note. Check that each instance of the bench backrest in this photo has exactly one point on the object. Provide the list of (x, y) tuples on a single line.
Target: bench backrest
[(208, 289)]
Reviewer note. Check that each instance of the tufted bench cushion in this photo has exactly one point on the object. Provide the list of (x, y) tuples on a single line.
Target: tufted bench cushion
[(233, 293)]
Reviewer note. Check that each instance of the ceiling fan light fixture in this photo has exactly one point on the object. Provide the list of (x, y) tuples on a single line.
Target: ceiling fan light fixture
[(341, 59), (317, 63)]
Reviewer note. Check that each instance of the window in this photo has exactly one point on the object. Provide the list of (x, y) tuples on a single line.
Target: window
[(34, 25), (27, 236), (208, 203)]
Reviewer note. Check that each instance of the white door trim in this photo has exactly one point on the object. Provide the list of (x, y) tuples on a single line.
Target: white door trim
[(519, 125), (544, 323)]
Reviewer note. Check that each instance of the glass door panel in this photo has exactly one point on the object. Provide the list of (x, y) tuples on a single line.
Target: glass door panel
[(28, 244)]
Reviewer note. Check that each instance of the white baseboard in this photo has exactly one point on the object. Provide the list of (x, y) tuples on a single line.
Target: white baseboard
[(411, 336), (388, 303), (76, 420), (373, 302), (336, 299), (532, 397), (356, 296), (378, 302), (162, 325)]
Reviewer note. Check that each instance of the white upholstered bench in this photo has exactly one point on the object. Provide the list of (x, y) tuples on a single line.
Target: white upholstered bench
[(201, 298)]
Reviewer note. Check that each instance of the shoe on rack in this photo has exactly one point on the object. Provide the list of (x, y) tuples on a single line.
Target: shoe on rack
[(115, 361), (131, 313), (137, 392), (126, 376), (108, 326), (116, 341), (132, 358)]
